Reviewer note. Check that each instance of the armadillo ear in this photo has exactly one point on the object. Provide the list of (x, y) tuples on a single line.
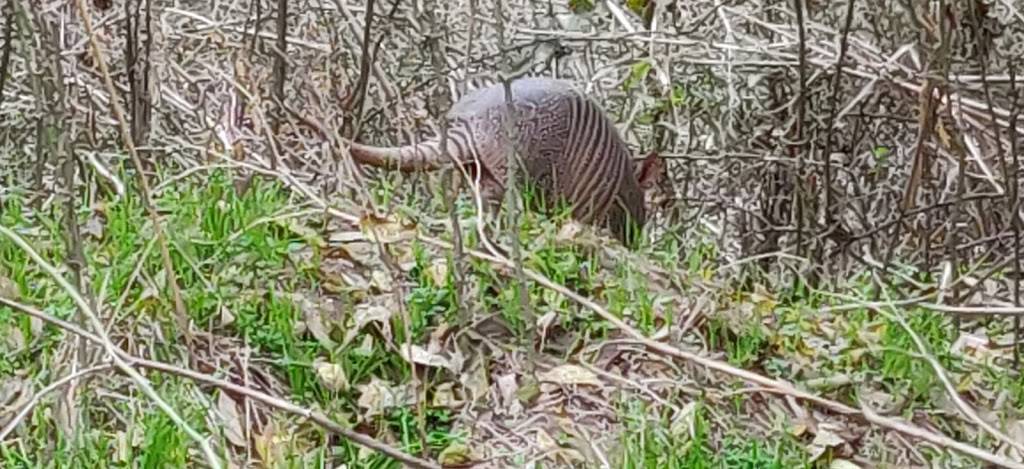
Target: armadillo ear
[(650, 171)]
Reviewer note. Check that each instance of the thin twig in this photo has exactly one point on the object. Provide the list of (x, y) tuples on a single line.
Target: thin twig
[(267, 399), (24, 411), (113, 352)]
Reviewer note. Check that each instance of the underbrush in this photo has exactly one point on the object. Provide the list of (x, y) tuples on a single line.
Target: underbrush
[(308, 309)]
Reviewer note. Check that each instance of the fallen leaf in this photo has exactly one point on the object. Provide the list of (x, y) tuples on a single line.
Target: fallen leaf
[(227, 409), (843, 464), (226, 316), (823, 440), (568, 232), (14, 340), (313, 317), (455, 453), (271, 446), (363, 252), (475, 382), (683, 422), (438, 272), (309, 235), (382, 281), (569, 374), (507, 388), (14, 393), (423, 357), (93, 227), (544, 441), (122, 447), (365, 314), (444, 396), (569, 457), (346, 236), (1016, 433), (376, 397), (9, 289), (366, 347), (386, 231), (331, 375), (528, 390)]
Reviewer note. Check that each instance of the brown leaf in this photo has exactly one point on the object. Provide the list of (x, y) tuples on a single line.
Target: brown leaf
[(367, 313), (383, 230), (8, 289), (456, 453), (376, 397), (569, 374), (331, 375), (226, 316), (93, 227), (824, 440), (422, 356), (313, 317), (13, 339), (227, 409), (270, 445), (444, 396)]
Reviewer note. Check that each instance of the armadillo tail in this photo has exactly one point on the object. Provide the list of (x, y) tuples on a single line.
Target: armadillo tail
[(424, 156)]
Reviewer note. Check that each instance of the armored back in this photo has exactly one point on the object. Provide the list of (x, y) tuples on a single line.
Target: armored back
[(570, 149)]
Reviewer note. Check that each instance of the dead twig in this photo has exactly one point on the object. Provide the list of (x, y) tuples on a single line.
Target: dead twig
[(278, 403)]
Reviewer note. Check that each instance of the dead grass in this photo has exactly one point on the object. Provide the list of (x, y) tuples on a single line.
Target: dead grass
[(321, 322)]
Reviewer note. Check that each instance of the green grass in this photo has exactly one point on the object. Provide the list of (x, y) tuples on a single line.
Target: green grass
[(243, 262)]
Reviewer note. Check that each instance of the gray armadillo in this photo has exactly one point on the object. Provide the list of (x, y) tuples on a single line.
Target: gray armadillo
[(570, 150)]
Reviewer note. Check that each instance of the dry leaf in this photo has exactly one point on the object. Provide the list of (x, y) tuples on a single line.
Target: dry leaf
[(93, 227), (421, 356), (569, 374), (569, 457), (545, 321), (376, 397), (438, 272), (363, 252), (528, 390), (1016, 433), (309, 235), (683, 421), (507, 389), (568, 232), (365, 314), (455, 453), (824, 440), (313, 317), (444, 396), (385, 231), (345, 237), (843, 464), (14, 340), (382, 281), (8, 289), (331, 375), (271, 446), (475, 382), (122, 447), (544, 441), (14, 393), (226, 316), (227, 409), (366, 347)]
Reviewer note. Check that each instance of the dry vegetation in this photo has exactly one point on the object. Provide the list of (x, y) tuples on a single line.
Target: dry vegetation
[(194, 273)]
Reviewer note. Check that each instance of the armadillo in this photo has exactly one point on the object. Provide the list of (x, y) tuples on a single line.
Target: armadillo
[(569, 147)]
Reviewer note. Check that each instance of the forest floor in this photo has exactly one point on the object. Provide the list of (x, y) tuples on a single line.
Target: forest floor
[(613, 358)]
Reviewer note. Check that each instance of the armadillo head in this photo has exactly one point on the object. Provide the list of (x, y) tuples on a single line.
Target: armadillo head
[(636, 199), (652, 177)]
